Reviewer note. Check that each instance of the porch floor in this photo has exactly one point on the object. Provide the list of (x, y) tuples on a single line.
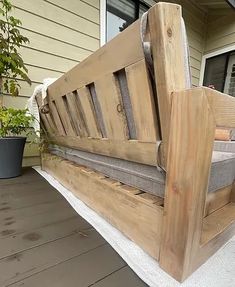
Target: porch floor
[(44, 242)]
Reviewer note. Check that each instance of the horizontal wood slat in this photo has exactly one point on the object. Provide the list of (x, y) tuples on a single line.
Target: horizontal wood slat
[(138, 218), (132, 150)]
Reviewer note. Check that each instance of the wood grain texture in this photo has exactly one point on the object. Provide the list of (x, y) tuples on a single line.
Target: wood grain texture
[(217, 222), (142, 101), (89, 71), (111, 105), (132, 150), (88, 112), (137, 219), (188, 167), (223, 107), (216, 200), (222, 134), (166, 38)]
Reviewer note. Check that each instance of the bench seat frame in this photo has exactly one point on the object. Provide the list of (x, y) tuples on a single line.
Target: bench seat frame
[(176, 231)]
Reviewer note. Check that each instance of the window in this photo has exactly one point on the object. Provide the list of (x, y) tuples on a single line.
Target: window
[(220, 73), (230, 79), (121, 13)]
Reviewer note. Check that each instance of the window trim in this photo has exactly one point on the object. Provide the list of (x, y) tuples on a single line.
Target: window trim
[(103, 19), (211, 55)]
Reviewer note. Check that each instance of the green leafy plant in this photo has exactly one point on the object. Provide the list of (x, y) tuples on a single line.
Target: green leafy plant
[(14, 122), (12, 66)]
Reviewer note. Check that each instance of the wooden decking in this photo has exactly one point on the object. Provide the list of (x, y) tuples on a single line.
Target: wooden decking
[(43, 242)]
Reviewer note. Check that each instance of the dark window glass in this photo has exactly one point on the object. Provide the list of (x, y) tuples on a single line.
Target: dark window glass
[(215, 72), (121, 13)]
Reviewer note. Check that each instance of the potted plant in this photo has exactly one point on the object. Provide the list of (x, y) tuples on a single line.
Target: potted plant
[(12, 121)]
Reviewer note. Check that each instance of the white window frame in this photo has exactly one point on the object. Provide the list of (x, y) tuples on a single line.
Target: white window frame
[(103, 20), (210, 55)]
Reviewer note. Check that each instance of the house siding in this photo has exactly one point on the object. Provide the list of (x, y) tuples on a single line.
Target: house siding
[(61, 33), (220, 34)]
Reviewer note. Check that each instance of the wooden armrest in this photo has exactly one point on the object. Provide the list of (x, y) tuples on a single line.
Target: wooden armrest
[(195, 113), (222, 106)]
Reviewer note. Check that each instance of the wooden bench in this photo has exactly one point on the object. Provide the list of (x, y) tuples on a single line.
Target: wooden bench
[(108, 106)]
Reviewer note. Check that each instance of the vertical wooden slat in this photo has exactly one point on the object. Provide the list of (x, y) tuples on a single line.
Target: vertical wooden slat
[(65, 117), (51, 123), (88, 112), (46, 123), (141, 95), (55, 114), (76, 114), (168, 56), (109, 97)]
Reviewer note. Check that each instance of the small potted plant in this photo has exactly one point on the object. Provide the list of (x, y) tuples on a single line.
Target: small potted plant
[(12, 121)]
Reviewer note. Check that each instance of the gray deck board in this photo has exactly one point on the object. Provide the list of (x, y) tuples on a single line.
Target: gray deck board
[(43, 242)]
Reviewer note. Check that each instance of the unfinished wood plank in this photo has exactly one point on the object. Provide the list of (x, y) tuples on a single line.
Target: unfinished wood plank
[(223, 134), (142, 101), (51, 122), (58, 123), (88, 71), (136, 219), (88, 112), (217, 222), (62, 108), (48, 126), (102, 261), (151, 199), (76, 114), (218, 199), (223, 107), (24, 264), (130, 150), (188, 168), (168, 57), (109, 97)]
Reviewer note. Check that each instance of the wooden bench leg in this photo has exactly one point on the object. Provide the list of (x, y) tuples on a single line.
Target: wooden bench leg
[(189, 159)]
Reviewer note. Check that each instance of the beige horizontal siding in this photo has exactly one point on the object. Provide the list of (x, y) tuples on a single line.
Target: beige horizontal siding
[(220, 33), (61, 33), (195, 26)]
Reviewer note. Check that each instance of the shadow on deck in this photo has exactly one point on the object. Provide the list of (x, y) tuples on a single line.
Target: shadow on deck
[(44, 242)]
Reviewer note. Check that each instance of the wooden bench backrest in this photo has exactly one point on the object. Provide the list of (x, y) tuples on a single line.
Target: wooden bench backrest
[(90, 104)]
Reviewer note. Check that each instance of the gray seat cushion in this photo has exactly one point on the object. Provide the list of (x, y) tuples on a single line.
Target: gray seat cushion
[(225, 146), (145, 177)]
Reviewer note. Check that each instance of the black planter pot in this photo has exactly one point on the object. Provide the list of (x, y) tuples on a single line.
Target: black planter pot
[(11, 154)]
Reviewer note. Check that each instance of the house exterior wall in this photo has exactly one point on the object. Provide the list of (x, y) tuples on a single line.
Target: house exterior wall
[(61, 33), (220, 33), (195, 21)]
